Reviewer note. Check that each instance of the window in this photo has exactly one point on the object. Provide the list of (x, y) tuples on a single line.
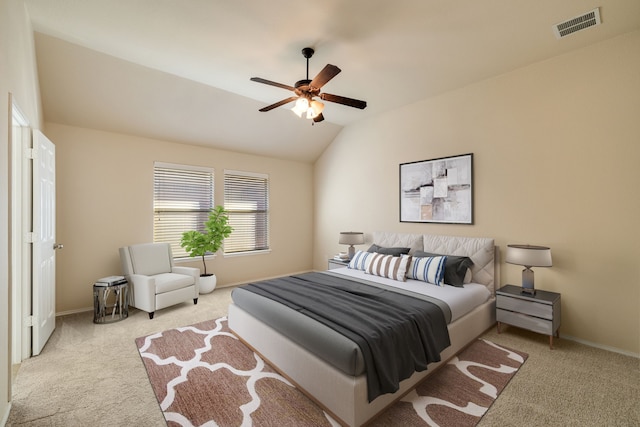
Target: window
[(246, 199), (182, 199)]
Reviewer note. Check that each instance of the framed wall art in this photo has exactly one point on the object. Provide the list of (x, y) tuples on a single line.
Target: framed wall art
[(437, 190)]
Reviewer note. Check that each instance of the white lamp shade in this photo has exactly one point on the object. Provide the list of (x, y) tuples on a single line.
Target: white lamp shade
[(529, 255), (351, 238)]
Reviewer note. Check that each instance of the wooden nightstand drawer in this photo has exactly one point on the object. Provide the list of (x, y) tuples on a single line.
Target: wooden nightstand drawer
[(531, 323), (544, 311)]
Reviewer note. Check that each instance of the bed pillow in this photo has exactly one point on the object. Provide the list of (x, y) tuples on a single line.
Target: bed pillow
[(360, 260), (468, 277), (389, 266), (427, 269), (388, 251), (455, 268)]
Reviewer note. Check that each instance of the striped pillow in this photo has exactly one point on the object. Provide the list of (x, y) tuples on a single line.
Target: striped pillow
[(360, 260), (389, 266), (428, 269)]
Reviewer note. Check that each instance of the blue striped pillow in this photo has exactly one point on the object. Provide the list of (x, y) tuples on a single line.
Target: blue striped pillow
[(361, 260), (427, 269)]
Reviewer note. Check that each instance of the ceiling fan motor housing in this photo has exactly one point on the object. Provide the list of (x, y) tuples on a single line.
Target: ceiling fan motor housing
[(308, 52)]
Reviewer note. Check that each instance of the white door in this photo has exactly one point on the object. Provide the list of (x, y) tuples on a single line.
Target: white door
[(44, 241)]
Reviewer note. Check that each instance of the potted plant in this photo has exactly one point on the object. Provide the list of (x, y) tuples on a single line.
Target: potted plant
[(209, 241)]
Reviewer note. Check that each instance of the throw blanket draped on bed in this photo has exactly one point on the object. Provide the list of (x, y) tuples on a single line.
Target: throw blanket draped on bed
[(396, 333)]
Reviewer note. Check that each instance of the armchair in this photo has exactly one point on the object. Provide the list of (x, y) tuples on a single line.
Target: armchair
[(154, 282)]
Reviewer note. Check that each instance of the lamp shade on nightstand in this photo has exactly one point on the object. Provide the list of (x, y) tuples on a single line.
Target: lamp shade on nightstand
[(351, 238), (528, 256)]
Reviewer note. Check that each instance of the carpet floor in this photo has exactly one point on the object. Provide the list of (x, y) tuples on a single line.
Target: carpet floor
[(204, 374), (91, 375)]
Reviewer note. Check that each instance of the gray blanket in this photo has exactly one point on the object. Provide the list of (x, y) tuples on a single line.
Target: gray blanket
[(397, 334)]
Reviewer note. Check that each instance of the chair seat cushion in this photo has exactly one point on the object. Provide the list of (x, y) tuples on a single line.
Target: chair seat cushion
[(167, 282)]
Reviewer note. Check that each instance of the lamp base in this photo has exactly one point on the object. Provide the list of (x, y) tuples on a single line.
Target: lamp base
[(352, 251), (527, 282)]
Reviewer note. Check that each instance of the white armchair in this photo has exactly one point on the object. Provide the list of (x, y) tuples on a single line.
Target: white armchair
[(154, 282)]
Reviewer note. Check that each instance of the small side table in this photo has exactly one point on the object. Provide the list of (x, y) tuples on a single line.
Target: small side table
[(102, 289), (538, 313), (336, 263)]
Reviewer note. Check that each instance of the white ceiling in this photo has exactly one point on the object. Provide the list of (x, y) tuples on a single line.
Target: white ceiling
[(179, 70)]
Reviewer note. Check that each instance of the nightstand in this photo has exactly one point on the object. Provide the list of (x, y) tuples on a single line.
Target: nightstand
[(538, 313), (334, 263)]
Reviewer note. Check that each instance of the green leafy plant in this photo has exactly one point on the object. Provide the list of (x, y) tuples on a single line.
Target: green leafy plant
[(209, 241)]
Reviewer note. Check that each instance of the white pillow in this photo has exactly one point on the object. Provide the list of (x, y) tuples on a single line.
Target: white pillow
[(361, 260), (427, 269), (389, 266), (467, 277)]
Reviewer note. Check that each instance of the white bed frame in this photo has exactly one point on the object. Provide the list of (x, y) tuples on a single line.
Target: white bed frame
[(343, 396)]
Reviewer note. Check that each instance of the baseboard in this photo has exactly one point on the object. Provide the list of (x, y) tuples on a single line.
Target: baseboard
[(79, 310), (600, 346), (5, 417)]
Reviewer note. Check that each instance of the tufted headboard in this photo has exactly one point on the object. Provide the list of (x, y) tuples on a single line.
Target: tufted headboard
[(481, 250)]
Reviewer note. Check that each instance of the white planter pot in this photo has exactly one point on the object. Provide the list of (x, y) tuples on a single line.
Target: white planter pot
[(208, 283)]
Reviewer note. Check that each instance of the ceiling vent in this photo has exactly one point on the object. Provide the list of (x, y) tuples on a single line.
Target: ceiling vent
[(578, 23)]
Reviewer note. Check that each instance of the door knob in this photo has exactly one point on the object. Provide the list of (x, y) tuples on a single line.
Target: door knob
[(58, 246)]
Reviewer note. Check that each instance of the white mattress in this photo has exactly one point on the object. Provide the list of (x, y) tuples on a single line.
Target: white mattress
[(460, 300)]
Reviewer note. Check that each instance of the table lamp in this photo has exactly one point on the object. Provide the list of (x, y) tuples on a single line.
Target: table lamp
[(351, 238), (528, 256)]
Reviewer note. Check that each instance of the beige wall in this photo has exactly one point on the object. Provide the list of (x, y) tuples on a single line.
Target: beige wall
[(556, 148), (105, 201)]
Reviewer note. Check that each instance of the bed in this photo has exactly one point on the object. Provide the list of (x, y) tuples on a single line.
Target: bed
[(336, 378)]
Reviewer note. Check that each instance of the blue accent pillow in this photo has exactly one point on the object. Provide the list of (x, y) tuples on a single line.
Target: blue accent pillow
[(427, 269), (361, 260), (455, 268)]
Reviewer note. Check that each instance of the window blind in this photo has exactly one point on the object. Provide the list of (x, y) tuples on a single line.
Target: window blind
[(246, 199), (182, 199)]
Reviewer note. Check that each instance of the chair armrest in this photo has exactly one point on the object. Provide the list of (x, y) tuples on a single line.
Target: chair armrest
[(142, 291), (189, 271)]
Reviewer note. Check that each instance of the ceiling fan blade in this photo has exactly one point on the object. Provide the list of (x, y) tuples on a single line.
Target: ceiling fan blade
[(269, 82), (356, 103), (327, 73), (318, 118), (277, 104)]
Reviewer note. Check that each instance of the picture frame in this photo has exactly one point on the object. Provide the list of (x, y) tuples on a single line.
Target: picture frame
[(437, 190)]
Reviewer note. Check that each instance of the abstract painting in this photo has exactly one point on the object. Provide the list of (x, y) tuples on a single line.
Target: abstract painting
[(437, 190)]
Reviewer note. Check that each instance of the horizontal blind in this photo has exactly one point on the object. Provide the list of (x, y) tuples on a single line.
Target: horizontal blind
[(246, 199), (182, 200)]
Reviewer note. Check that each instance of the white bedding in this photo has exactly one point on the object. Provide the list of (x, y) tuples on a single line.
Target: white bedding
[(460, 300)]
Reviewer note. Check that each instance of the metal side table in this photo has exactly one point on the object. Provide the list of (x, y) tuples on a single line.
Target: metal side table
[(110, 299)]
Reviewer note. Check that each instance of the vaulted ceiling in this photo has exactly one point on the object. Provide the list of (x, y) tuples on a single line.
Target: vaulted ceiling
[(179, 70)]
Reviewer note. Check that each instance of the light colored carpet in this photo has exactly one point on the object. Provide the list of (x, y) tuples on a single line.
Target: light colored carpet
[(92, 375)]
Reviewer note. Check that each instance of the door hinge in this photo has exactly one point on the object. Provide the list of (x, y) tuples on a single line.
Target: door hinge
[(29, 321), (30, 153), (29, 237)]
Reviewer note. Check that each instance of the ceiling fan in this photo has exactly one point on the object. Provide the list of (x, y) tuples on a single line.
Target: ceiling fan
[(306, 90)]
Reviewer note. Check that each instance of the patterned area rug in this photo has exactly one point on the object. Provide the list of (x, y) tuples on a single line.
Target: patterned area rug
[(203, 374)]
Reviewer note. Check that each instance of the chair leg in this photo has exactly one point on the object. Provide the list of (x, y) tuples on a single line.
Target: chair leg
[(195, 300), (151, 315)]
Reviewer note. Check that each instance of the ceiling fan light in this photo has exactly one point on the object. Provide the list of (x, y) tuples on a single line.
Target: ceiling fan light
[(315, 109), (301, 106)]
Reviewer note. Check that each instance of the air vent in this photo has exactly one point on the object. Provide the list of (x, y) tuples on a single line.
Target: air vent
[(582, 22)]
